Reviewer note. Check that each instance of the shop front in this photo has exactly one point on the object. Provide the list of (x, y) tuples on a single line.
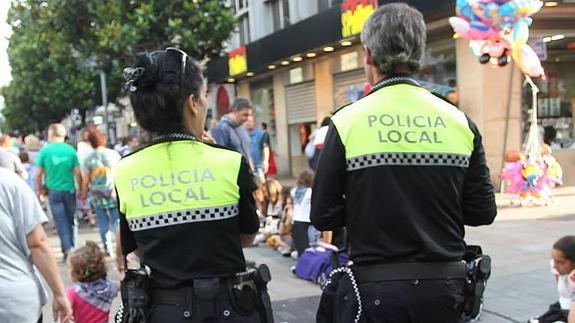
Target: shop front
[(303, 73), (556, 98)]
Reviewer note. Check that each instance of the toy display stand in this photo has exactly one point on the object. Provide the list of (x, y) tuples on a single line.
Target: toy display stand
[(530, 176)]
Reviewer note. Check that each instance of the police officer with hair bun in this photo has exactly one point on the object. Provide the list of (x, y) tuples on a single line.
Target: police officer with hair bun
[(186, 205), (403, 171)]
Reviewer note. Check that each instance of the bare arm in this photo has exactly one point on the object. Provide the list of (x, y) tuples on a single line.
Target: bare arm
[(78, 175), (266, 158), (42, 256), (84, 185), (39, 177)]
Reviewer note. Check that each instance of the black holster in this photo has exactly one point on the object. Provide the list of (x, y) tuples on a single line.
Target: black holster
[(135, 297), (263, 277), (478, 268), (339, 287)]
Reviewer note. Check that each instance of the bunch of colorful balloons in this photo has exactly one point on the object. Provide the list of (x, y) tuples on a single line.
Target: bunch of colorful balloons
[(498, 30), (531, 179)]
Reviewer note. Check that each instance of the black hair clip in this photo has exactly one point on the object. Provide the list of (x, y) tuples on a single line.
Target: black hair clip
[(131, 74)]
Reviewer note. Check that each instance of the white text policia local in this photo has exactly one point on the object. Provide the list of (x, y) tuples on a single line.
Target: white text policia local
[(418, 129), (165, 190)]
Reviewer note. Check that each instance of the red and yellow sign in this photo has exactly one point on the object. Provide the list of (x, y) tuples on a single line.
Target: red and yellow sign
[(354, 14), (237, 61)]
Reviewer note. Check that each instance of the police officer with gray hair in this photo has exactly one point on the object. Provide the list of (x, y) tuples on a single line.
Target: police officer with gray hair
[(403, 171)]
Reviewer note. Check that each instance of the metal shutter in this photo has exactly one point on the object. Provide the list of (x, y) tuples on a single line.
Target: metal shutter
[(300, 102), (350, 78)]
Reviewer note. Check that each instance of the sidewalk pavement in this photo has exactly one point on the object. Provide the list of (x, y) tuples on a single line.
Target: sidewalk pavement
[(519, 242)]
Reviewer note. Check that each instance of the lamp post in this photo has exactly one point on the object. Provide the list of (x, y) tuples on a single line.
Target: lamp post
[(105, 102), (91, 63)]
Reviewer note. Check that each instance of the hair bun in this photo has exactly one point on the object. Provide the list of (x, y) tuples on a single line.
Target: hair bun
[(144, 74), (132, 74)]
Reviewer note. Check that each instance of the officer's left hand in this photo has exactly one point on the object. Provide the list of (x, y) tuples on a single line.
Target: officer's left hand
[(572, 278)]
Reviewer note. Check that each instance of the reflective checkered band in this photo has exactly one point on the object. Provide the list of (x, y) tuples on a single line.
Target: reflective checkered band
[(182, 217), (407, 159)]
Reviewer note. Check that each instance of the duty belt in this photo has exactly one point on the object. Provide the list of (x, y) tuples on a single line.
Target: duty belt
[(409, 271), (181, 294)]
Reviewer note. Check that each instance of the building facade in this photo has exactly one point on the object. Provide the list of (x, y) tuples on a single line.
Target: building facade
[(300, 60)]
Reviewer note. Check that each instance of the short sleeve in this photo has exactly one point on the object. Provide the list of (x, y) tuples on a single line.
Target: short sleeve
[(26, 208), (85, 165), (76, 160), (248, 218), (40, 159), (265, 140), (127, 238)]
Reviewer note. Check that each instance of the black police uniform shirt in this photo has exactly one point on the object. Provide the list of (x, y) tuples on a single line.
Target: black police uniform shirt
[(177, 254), (403, 213)]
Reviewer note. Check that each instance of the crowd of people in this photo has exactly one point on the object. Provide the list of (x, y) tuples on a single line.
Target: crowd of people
[(188, 201)]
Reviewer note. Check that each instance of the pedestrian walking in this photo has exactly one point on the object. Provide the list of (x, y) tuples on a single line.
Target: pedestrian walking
[(98, 186), (259, 149), (58, 167), (8, 159), (83, 150), (23, 245), (272, 168), (404, 171), (187, 206), (230, 132)]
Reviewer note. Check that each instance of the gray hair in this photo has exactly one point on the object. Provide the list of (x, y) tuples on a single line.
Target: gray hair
[(239, 104), (57, 130), (395, 34)]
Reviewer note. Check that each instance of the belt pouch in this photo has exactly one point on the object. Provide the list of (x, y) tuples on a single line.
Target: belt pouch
[(244, 297), (206, 291)]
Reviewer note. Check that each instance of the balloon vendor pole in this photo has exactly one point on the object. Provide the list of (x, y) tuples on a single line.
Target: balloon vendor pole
[(533, 148)]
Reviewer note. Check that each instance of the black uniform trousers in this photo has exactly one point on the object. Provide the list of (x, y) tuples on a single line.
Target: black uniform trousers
[(416, 301)]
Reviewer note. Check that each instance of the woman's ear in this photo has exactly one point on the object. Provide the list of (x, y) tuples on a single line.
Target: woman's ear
[(191, 104)]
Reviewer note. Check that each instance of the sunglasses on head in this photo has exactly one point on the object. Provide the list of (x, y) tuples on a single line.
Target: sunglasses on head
[(182, 64)]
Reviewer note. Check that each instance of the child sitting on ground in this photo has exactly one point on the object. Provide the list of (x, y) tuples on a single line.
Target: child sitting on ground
[(283, 240), (563, 263), (92, 293), (273, 190)]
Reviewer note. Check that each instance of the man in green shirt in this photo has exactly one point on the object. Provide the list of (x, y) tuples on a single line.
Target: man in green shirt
[(57, 166)]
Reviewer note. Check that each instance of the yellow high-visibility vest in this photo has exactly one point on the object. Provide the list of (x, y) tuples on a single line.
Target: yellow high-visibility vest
[(178, 182), (403, 124)]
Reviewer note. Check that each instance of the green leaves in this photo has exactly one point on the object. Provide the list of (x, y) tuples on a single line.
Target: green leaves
[(58, 47)]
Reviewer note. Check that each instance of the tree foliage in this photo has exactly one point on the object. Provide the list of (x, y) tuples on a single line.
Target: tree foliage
[(58, 48)]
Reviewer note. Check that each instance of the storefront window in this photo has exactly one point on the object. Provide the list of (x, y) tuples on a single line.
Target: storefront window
[(439, 73), (262, 95), (557, 95)]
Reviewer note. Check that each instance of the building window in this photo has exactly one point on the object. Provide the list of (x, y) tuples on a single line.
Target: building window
[(244, 25), (349, 61), (241, 5), (438, 63), (557, 94), (296, 75), (280, 14)]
